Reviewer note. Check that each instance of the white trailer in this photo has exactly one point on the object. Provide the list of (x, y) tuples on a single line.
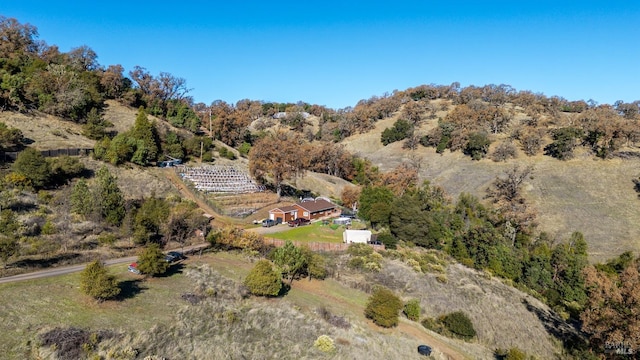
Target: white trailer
[(356, 236)]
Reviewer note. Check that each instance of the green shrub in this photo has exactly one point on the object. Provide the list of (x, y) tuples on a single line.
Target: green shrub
[(107, 239), (96, 282), (477, 146), (244, 149), (49, 228), (401, 129), (325, 344), (459, 324), (263, 279), (511, 354), (383, 307), (432, 324), (359, 250), (412, 309)]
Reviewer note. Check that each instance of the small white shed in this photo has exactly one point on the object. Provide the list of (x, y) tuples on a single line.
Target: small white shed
[(356, 236)]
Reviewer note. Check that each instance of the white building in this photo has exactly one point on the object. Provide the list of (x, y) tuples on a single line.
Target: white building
[(356, 236)]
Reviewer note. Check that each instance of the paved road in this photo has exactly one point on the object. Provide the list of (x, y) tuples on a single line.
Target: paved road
[(80, 267)]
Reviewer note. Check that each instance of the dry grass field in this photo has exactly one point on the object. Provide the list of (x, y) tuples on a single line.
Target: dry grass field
[(593, 196), (153, 317), (47, 132)]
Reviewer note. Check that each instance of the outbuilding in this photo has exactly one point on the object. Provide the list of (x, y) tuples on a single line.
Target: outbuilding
[(356, 236)]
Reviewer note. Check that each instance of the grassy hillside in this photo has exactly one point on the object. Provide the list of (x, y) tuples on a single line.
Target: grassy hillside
[(586, 194), (153, 317)]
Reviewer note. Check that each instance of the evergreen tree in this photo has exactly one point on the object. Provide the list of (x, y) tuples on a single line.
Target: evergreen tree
[(290, 259), (147, 141), (81, 199), (148, 219), (152, 261), (9, 224), (96, 282), (263, 279), (109, 197), (9, 246), (32, 165), (95, 127)]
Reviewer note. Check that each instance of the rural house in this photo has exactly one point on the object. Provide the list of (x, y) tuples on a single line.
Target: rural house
[(284, 213), (309, 209)]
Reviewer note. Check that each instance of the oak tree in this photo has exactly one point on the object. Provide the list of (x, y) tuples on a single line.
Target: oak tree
[(278, 157)]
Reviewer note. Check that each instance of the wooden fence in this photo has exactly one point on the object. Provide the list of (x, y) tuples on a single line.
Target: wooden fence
[(12, 155), (317, 246)]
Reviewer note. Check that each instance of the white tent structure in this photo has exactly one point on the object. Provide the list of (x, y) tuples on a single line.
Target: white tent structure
[(356, 236)]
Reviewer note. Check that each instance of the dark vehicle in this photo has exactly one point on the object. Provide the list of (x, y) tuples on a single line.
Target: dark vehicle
[(173, 256), (424, 350), (268, 223), (348, 215), (375, 242), (298, 222)]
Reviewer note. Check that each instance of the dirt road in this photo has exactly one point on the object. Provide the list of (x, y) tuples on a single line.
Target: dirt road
[(218, 219), (80, 267), (441, 350)]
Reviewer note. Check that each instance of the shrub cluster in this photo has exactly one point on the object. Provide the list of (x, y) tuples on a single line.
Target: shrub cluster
[(455, 324), (73, 343), (364, 258), (383, 307), (412, 309)]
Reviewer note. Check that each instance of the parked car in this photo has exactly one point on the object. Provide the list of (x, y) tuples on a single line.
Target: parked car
[(177, 254), (348, 215), (133, 267), (268, 223), (173, 256), (298, 222), (375, 242), (424, 350)]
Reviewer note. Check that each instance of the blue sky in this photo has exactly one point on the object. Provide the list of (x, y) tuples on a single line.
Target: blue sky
[(336, 53)]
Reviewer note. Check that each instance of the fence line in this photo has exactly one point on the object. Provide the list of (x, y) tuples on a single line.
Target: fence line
[(12, 155), (316, 246)]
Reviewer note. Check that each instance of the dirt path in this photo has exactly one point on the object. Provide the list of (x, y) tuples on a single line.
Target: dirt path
[(446, 352), (218, 219)]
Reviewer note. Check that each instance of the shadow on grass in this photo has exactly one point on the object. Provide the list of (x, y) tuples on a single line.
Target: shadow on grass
[(129, 289), (175, 268), (284, 290)]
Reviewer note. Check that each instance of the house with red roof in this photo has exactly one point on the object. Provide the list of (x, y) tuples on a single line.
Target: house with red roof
[(309, 209)]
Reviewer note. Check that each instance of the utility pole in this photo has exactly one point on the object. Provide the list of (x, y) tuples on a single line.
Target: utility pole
[(210, 134)]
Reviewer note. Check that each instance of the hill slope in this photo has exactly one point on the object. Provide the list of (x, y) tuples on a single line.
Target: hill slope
[(593, 196)]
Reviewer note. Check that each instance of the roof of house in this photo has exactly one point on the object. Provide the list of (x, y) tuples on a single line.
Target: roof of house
[(317, 205), (284, 209)]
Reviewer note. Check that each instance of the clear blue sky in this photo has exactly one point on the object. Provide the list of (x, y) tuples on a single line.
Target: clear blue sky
[(336, 53)]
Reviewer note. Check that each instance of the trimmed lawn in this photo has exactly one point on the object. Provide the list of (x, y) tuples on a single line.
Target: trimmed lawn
[(314, 232)]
